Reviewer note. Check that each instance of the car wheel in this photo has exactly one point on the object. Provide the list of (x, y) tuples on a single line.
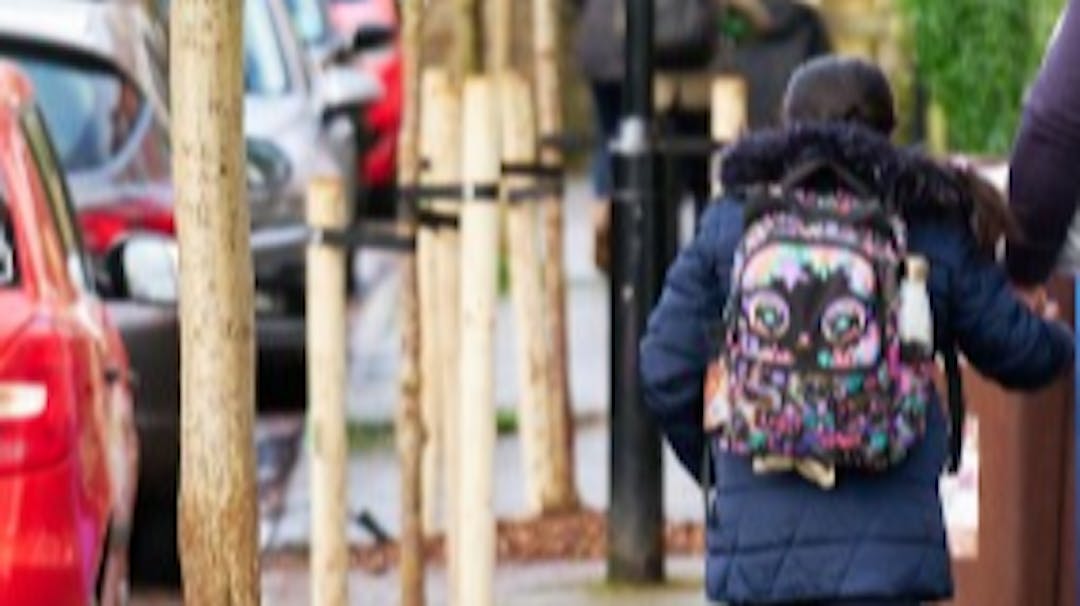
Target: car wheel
[(155, 559)]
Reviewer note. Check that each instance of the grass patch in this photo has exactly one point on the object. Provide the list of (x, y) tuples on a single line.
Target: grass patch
[(504, 275), (376, 435), (369, 435)]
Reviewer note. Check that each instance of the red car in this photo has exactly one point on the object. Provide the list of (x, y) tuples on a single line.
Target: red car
[(67, 436), (378, 164)]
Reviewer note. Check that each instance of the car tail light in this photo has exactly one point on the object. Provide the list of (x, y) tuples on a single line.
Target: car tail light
[(37, 404), (103, 226), (384, 115), (21, 401)]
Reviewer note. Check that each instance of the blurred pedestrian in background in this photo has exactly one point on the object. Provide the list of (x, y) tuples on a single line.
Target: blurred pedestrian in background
[(762, 41)]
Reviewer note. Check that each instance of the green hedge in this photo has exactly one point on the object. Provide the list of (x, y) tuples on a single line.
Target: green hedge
[(976, 58)]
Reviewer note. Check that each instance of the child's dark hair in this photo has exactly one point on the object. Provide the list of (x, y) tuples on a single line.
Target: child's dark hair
[(840, 89), (846, 89)]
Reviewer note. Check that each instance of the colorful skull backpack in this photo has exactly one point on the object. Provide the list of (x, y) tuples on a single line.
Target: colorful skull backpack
[(827, 351)]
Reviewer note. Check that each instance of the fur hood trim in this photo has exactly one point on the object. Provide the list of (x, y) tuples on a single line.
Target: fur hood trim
[(914, 182)]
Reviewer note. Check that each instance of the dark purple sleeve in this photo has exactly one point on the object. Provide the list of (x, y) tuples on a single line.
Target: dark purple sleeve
[(1044, 179)]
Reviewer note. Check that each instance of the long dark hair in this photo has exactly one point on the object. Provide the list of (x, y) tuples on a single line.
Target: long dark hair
[(846, 89)]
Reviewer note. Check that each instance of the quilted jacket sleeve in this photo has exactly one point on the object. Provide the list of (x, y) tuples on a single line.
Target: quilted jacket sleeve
[(1044, 183), (678, 341), (997, 333)]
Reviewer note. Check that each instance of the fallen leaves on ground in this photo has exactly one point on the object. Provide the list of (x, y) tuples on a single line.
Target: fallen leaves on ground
[(580, 535)]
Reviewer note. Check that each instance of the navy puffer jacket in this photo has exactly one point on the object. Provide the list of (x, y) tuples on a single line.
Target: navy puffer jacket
[(778, 538)]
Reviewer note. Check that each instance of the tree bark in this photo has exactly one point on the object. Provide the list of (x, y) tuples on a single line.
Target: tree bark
[(468, 39), (479, 238), (326, 345), (518, 135), (409, 429), (500, 28), (431, 386), (546, 46), (218, 524)]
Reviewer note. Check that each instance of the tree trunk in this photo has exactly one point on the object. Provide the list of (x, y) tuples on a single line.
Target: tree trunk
[(500, 30), (431, 387), (549, 106), (409, 430), (518, 134), (218, 524), (479, 238), (326, 345), (468, 40)]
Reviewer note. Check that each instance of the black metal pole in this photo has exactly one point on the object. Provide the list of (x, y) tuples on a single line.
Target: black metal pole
[(636, 516)]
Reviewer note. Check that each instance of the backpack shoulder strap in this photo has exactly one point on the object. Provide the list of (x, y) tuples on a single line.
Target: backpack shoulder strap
[(957, 406), (804, 171)]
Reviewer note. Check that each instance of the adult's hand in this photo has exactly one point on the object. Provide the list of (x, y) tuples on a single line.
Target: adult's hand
[(1039, 301)]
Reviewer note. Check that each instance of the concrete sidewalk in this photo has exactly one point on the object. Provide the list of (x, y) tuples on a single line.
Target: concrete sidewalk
[(543, 584), (546, 584)]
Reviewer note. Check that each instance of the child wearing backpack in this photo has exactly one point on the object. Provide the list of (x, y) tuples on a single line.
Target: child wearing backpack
[(789, 360)]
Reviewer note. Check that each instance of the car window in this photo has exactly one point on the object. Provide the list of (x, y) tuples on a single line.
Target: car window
[(98, 119), (310, 20), (265, 72), (57, 194), (92, 113)]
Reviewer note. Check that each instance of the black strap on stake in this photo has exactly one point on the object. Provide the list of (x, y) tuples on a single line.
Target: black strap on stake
[(431, 219), (529, 169), (535, 193), (549, 181), (450, 192), (667, 145), (364, 236)]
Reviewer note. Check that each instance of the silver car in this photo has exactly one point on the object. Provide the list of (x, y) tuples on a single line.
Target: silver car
[(309, 112)]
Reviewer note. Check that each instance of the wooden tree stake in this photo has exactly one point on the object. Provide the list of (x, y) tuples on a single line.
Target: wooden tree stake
[(501, 29), (409, 423), (479, 241), (468, 39), (441, 144), (729, 117), (326, 346), (218, 517), (546, 47)]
